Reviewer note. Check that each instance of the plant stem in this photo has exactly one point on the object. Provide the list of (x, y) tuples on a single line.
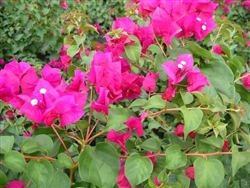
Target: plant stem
[(90, 112), (61, 140), (93, 128), (93, 137)]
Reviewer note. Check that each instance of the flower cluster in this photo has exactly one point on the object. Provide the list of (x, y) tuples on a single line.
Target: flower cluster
[(177, 71), (44, 99)]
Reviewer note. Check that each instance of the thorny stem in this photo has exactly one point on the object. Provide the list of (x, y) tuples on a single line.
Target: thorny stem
[(218, 34), (61, 140)]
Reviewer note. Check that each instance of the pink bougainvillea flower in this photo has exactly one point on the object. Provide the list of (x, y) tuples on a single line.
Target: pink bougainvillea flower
[(179, 131), (149, 83), (190, 173), (147, 7), (225, 145), (203, 27), (40, 102), (160, 22), (177, 71), (229, 2), (246, 80), (27, 134), (145, 36), (78, 82), (106, 73), (218, 49), (9, 85), (1, 61), (34, 126), (246, 4), (156, 181), (65, 60), (170, 92), (64, 5), (64, 48), (126, 24), (136, 123), (15, 184), (19, 69), (118, 138), (65, 109), (29, 81), (102, 103), (153, 158), (225, 8), (248, 43), (122, 181), (52, 75), (10, 114), (131, 85), (196, 80)]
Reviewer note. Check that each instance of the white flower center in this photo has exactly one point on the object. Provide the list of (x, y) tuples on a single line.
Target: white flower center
[(180, 66), (43, 90), (183, 62), (203, 27), (198, 19), (34, 102)]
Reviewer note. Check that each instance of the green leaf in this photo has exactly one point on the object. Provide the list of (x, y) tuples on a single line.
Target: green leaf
[(159, 60), (244, 93), (99, 165), (30, 145), (154, 48), (8, 143), (65, 161), (3, 179), (162, 176), (137, 169), (71, 70), (15, 161), (183, 180), (208, 172), (175, 158), (116, 118), (60, 180), (82, 124), (45, 141), (72, 50), (198, 51), (138, 103), (79, 40), (192, 119), (187, 97), (226, 49), (151, 144), (204, 100), (221, 77), (155, 102), (133, 52), (213, 141), (40, 172), (239, 159)]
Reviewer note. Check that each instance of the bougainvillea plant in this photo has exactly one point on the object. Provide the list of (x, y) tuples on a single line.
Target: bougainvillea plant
[(164, 102)]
